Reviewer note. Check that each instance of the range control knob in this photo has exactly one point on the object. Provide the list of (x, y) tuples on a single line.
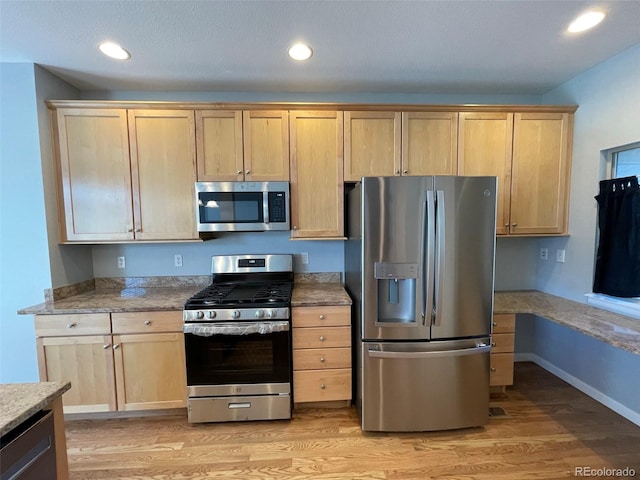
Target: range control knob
[(211, 314), (271, 313), (200, 315), (259, 313), (235, 314)]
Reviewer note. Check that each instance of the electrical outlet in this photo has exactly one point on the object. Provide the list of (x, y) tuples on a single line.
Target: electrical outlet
[(177, 260), (544, 254), (560, 256), (121, 262), (305, 258)]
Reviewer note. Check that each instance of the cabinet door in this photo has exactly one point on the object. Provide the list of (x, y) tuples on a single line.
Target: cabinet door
[(484, 148), (219, 145), (540, 173), (150, 371), (95, 174), (164, 172), (85, 361), (266, 145), (317, 188), (429, 143), (371, 144)]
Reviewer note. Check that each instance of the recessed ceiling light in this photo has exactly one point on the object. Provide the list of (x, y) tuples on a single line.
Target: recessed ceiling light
[(114, 50), (586, 21), (300, 51)]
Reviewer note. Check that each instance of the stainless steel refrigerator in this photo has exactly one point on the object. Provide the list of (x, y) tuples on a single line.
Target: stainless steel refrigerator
[(419, 264)]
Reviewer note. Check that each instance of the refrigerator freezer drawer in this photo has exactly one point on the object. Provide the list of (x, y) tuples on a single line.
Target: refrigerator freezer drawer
[(420, 388)]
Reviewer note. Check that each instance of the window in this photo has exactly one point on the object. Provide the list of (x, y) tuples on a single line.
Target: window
[(623, 162)]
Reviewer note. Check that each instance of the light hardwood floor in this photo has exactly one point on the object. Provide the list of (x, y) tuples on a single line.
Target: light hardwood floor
[(549, 430)]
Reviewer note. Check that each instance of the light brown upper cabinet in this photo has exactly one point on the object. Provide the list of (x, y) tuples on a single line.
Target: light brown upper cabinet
[(163, 166), (233, 145), (381, 143), (484, 148), (317, 190), (429, 143), (371, 144), (125, 175), (94, 174), (540, 173), (530, 155)]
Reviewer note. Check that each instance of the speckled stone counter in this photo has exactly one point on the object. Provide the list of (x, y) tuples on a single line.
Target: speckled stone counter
[(617, 330), (19, 401), (107, 300), (309, 294)]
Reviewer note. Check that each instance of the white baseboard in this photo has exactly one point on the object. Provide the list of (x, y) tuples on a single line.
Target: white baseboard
[(597, 395)]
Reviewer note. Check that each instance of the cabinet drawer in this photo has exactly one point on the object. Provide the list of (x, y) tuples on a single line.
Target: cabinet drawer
[(146, 322), (501, 369), (321, 316), (321, 358), (70, 325), (502, 342), (504, 323), (322, 385), (321, 337)]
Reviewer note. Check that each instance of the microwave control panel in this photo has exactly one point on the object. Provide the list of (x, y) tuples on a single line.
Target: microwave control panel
[(277, 207)]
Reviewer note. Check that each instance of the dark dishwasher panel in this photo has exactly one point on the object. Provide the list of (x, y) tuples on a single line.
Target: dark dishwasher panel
[(28, 452)]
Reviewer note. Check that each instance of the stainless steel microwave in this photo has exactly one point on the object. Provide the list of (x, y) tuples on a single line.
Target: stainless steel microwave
[(242, 206)]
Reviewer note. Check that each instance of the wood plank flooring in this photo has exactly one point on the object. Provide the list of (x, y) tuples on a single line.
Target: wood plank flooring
[(549, 429)]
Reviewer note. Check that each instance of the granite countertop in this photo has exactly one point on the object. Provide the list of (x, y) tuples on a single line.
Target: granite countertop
[(309, 294), (19, 401), (618, 330)]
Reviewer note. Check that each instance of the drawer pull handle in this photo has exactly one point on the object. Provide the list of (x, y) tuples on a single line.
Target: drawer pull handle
[(321, 359), (493, 369), (147, 322), (321, 317), (106, 346), (117, 345), (323, 386), (321, 338), (71, 325)]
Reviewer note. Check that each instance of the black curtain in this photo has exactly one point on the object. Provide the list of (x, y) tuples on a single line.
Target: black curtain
[(618, 256)]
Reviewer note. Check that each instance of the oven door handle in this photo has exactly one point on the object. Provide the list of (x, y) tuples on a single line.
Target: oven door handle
[(235, 328)]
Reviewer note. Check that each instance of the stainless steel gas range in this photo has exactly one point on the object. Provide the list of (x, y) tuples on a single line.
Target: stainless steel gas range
[(238, 341)]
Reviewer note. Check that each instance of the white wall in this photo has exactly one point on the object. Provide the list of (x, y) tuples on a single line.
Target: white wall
[(24, 256), (608, 115)]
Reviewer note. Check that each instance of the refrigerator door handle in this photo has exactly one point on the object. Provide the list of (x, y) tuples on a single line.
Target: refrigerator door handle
[(428, 249), (429, 354), (440, 258)]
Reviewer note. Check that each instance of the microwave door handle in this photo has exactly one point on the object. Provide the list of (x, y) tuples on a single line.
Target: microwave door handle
[(265, 206)]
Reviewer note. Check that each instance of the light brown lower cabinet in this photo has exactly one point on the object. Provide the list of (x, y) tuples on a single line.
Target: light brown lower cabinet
[(502, 350), (321, 353), (118, 361)]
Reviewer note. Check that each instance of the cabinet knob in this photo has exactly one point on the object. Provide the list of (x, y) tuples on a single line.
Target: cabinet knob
[(116, 346), (397, 172), (239, 172), (71, 325), (323, 386), (321, 317), (506, 224), (514, 224), (106, 346), (493, 369), (130, 230), (147, 322), (138, 230), (295, 227), (494, 324), (493, 344), (321, 359), (321, 338), (247, 172), (405, 171)]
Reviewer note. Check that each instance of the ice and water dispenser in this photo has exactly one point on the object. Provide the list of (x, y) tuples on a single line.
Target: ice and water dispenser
[(396, 292)]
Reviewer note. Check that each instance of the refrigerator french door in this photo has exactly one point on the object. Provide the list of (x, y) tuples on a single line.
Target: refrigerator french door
[(420, 266)]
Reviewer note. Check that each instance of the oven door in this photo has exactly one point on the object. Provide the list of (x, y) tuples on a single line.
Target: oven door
[(238, 358)]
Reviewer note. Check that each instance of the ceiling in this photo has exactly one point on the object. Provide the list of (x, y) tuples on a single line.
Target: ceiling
[(395, 46)]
